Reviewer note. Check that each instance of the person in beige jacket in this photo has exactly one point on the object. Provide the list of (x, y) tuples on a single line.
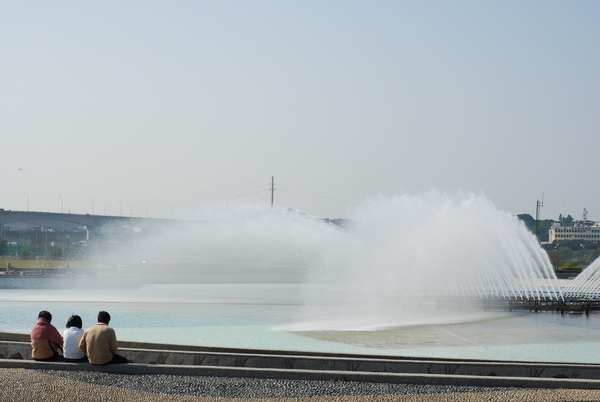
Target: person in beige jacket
[(99, 342)]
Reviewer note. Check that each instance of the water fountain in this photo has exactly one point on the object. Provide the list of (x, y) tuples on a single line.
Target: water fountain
[(413, 248), (255, 276), (586, 284)]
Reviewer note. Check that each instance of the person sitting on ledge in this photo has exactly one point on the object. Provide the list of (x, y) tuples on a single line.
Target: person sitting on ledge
[(99, 342), (72, 336), (46, 341)]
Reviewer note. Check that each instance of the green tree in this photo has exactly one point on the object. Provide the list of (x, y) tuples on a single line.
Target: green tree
[(56, 252), (544, 230), (573, 253), (543, 226), (27, 253), (568, 221), (528, 221)]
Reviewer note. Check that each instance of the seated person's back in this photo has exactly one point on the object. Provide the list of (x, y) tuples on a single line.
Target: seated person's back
[(72, 336), (46, 341), (99, 342)]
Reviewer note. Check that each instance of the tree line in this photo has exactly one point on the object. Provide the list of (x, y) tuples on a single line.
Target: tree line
[(564, 254)]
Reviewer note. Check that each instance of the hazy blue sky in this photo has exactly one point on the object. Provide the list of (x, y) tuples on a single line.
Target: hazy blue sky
[(164, 105)]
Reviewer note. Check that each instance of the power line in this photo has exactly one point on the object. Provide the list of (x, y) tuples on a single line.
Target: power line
[(248, 188), (205, 190), (225, 194), (321, 193), (316, 196), (311, 191), (316, 184)]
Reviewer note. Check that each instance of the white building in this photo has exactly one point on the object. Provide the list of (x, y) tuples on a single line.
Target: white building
[(577, 232)]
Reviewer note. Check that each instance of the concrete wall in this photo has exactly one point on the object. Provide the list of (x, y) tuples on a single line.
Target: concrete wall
[(17, 347)]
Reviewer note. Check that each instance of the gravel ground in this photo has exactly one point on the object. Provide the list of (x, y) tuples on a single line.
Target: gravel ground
[(46, 385)]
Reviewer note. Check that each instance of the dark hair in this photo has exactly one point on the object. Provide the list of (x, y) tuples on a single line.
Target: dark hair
[(74, 321), (104, 317), (45, 314)]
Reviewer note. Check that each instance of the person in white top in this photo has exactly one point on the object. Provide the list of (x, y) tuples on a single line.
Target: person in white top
[(72, 336)]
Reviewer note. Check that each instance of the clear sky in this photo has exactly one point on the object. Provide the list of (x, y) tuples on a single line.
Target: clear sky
[(158, 106)]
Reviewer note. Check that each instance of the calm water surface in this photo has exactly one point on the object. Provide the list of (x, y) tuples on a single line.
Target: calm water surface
[(258, 315)]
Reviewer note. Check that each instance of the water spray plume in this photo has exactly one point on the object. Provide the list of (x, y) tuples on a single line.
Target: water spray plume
[(396, 251), (409, 249)]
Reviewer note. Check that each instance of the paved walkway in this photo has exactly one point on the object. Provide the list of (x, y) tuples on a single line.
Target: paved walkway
[(28, 385)]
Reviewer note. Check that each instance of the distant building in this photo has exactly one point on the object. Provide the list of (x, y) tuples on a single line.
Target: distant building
[(577, 232)]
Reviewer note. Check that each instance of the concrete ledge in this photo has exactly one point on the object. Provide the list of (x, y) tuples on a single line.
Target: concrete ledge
[(15, 352), (282, 360)]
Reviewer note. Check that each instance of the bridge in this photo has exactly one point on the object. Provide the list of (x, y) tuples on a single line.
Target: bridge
[(91, 222)]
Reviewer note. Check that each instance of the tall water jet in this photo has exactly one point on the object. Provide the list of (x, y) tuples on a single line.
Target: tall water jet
[(587, 283), (408, 249)]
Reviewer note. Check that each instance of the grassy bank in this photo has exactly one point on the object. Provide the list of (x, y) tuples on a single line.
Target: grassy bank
[(15, 263)]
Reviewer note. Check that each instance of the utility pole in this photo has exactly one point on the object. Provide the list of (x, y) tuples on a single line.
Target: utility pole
[(539, 206), (272, 190)]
